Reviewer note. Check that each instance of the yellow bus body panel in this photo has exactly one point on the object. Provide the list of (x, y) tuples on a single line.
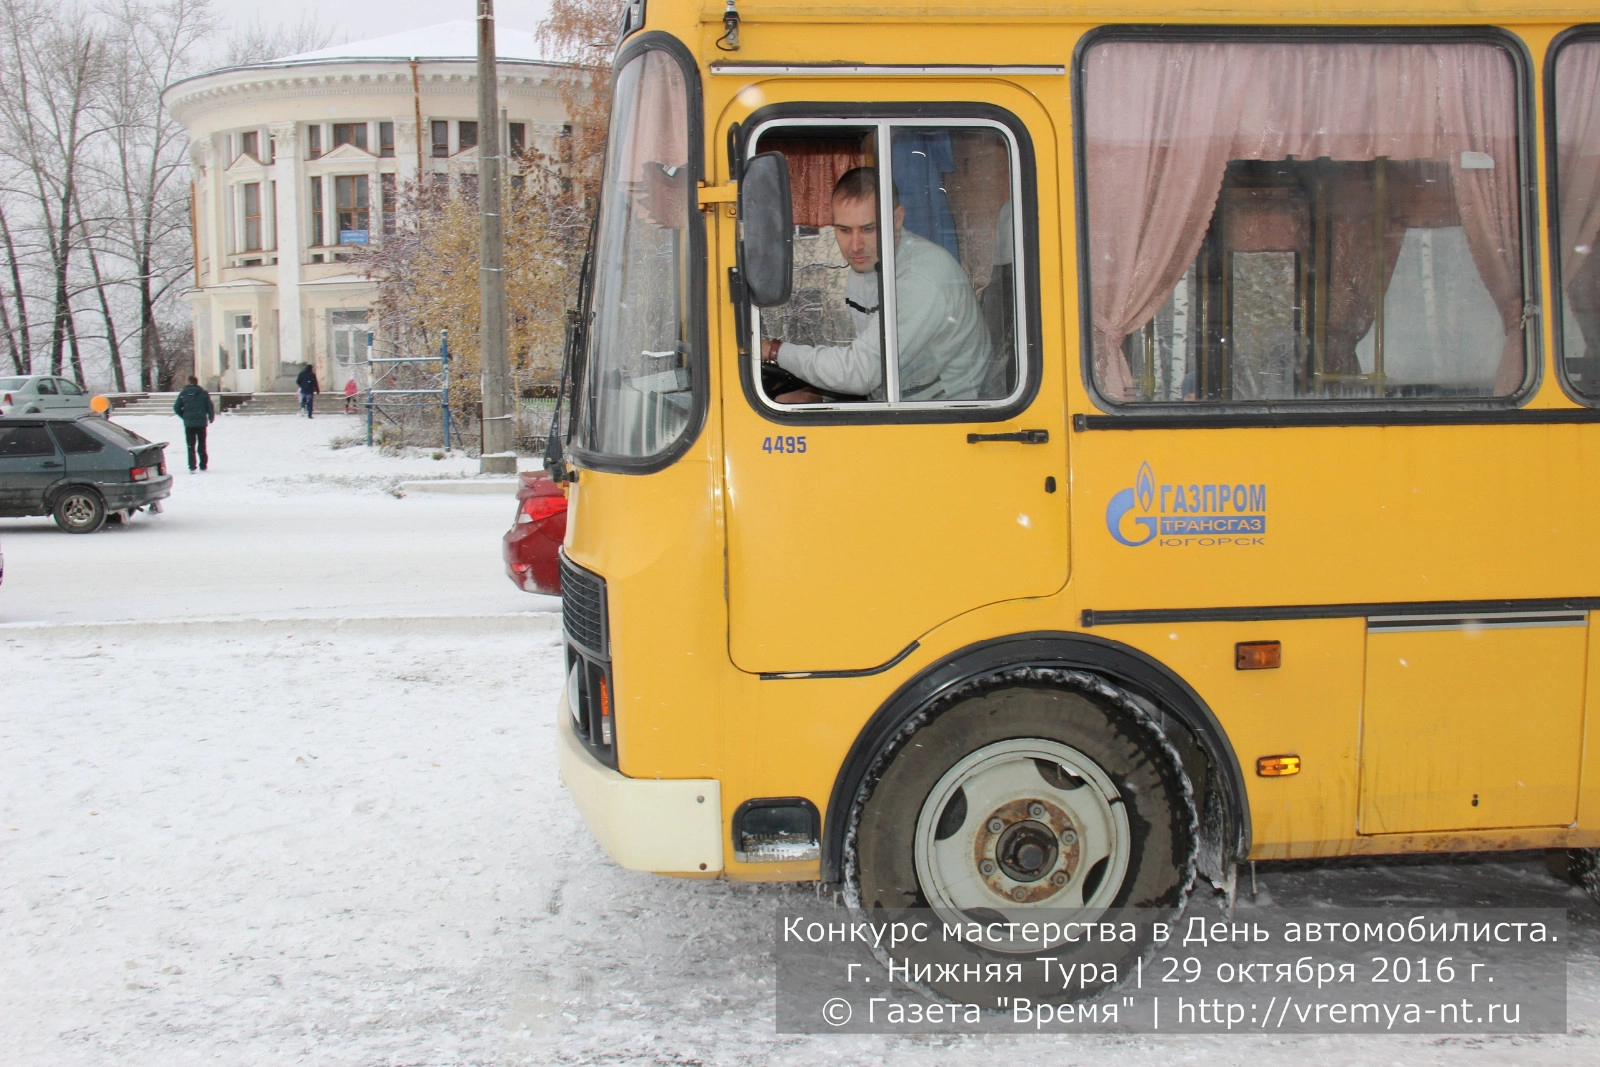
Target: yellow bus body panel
[(897, 536)]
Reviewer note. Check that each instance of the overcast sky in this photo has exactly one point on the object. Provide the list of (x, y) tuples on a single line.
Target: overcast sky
[(358, 20)]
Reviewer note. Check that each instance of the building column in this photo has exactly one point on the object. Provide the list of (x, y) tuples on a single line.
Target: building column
[(405, 151), (289, 176)]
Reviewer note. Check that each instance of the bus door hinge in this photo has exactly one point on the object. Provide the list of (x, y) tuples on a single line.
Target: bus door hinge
[(712, 195)]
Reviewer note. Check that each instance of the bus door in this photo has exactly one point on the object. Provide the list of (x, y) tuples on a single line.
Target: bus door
[(1316, 298), (893, 462)]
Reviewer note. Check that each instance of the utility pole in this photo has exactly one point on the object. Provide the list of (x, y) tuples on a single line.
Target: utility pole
[(498, 456)]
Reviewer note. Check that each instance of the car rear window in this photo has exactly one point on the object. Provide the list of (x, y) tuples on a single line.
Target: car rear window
[(12, 383), (74, 439), (118, 434), (25, 441)]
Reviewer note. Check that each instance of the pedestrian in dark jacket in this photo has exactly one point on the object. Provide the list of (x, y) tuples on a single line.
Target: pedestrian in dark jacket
[(308, 388), (194, 407)]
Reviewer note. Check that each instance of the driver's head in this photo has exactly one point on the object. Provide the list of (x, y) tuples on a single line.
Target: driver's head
[(855, 217)]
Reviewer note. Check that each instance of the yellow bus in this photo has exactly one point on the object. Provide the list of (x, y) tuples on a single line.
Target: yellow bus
[(1204, 471)]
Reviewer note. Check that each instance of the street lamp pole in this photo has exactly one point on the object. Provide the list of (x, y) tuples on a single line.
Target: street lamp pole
[(498, 455)]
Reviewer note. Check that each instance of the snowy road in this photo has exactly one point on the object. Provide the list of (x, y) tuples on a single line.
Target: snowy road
[(326, 827)]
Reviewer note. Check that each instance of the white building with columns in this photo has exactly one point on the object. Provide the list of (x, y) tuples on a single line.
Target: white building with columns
[(299, 160)]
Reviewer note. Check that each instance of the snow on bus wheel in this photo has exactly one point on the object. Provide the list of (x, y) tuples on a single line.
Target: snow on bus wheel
[(1030, 791)]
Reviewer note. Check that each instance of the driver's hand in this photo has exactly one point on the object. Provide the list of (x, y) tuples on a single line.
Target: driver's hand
[(769, 350)]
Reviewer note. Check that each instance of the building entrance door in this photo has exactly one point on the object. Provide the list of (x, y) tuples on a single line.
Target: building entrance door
[(348, 342), (244, 354)]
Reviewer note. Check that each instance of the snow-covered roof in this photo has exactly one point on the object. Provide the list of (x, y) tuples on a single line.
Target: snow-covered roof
[(457, 38)]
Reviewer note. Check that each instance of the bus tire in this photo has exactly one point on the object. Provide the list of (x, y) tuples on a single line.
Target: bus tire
[(1581, 867), (1034, 788)]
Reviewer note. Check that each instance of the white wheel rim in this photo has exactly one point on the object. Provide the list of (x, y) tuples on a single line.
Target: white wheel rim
[(79, 510), (1010, 871)]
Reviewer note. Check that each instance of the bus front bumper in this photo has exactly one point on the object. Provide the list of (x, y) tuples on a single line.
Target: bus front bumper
[(664, 825)]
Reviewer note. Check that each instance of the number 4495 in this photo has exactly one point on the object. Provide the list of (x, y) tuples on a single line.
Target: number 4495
[(784, 445)]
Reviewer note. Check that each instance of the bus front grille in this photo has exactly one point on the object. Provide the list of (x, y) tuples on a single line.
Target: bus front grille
[(583, 608)]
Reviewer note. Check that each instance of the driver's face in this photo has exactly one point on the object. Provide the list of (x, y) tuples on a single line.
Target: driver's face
[(855, 226)]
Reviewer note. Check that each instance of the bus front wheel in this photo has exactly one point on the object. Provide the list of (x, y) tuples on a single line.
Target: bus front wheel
[(1034, 789)]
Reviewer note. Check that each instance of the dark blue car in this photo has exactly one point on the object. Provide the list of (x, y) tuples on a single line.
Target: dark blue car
[(78, 469)]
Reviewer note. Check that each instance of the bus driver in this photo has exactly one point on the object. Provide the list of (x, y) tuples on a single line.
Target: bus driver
[(944, 345)]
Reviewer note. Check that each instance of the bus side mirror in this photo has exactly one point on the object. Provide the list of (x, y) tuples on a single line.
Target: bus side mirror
[(766, 230)]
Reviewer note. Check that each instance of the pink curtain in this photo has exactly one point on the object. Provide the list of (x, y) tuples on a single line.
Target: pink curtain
[(1578, 181), (650, 138), (1162, 122)]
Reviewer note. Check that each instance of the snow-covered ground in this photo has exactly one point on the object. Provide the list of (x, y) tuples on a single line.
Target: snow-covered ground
[(277, 785)]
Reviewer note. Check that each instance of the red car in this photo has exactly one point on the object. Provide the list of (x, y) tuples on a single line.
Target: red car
[(536, 534)]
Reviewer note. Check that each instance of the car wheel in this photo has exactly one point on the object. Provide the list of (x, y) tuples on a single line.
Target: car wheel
[(1036, 789), (79, 511)]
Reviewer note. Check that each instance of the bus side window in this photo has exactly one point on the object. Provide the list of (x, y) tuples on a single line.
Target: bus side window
[(955, 294), (1577, 194), (1339, 221), (956, 338)]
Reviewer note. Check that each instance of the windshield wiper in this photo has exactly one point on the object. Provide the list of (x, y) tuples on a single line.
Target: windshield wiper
[(555, 459)]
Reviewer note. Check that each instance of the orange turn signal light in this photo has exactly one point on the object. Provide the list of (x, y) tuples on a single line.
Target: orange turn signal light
[(1257, 655), (1277, 766)]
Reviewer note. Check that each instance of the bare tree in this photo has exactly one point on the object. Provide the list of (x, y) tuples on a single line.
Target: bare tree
[(144, 188), (18, 336), (582, 34), (258, 42), (57, 66)]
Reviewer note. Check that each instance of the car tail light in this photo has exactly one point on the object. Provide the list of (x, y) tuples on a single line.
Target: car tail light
[(8, 398), (162, 469), (536, 508), (139, 474)]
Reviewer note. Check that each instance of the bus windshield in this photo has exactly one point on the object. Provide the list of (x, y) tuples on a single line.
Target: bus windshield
[(637, 396)]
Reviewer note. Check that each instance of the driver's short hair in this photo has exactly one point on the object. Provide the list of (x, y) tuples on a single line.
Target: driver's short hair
[(860, 183)]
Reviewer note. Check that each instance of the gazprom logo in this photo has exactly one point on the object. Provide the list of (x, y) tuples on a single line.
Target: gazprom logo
[(1208, 514), (1142, 495)]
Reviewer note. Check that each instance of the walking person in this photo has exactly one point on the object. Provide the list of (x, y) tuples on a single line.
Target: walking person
[(308, 388), (194, 407)]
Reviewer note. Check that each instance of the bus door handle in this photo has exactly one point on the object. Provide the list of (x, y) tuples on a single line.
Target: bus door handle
[(1025, 437)]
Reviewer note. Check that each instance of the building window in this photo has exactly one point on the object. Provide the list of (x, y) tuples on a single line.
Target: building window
[(353, 133), (441, 139), (350, 191), (389, 193), (252, 217), (441, 188), (316, 211), (386, 139), (466, 135), (314, 141), (517, 137), (249, 144)]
